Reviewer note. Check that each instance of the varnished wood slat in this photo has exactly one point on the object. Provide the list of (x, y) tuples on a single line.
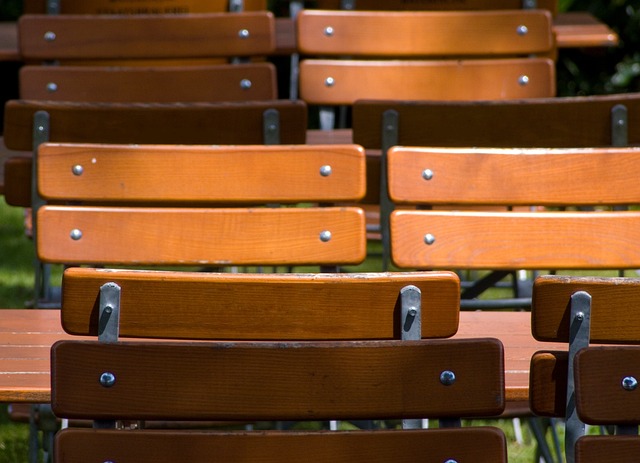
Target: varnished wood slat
[(480, 79), (420, 34), (242, 82), (532, 122), (548, 383), (613, 320), (160, 123), (551, 5), (17, 181), (468, 176), (600, 396), (202, 236), (543, 240), (145, 36), (599, 449), (424, 446), (261, 306), (140, 7), (309, 381), (188, 173)]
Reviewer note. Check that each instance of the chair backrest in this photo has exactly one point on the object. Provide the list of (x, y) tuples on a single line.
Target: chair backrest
[(597, 121), (337, 368), (174, 205), (265, 122), (546, 231), (455, 55), (594, 381)]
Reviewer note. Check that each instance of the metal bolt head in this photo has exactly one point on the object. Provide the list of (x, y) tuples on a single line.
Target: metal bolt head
[(580, 316), (325, 236), (329, 81), (49, 36), (77, 169), (451, 460), (427, 174), (245, 84), (328, 31), (522, 30), (629, 383), (325, 170), (243, 33), (75, 234), (107, 379), (523, 80), (52, 87), (447, 377), (429, 239), (412, 312)]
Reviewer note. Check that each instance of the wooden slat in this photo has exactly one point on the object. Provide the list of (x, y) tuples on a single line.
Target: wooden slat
[(160, 123), (140, 7), (600, 397), (145, 36), (202, 236), (205, 174), (313, 381), (420, 34), (551, 5), (160, 84), (261, 306), (613, 318), (533, 122), (468, 176), (430, 80), (544, 240), (424, 446), (597, 449), (548, 383)]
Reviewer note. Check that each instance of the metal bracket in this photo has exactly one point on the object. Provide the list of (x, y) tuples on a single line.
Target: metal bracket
[(619, 126), (579, 335), (390, 130), (348, 4), (529, 4), (109, 313), (271, 127), (411, 329), (53, 7), (236, 6)]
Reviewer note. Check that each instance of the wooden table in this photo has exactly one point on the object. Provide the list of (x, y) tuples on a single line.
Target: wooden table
[(26, 336)]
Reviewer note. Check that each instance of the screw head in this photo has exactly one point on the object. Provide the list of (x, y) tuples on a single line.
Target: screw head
[(77, 169), (429, 239), (243, 33), (75, 234), (522, 30), (329, 81), (49, 36), (107, 379), (328, 31), (52, 87), (447, 377), (325, 170), (325, 236), (523, 80), (245, 84), (427, 174), (629, 383)]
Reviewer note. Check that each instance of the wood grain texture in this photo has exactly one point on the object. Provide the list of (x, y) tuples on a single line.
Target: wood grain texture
[(468, 176), (424, 446), (140, 6), (281, 381), (202, 174), (471, 5), (260, 306), (548, 383), (420, 34), (478, 79), (599, 449)]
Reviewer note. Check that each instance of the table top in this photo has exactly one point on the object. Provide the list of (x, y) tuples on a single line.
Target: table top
[(26, 336)]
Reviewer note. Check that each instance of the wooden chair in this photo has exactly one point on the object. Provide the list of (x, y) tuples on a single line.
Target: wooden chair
[(549, 231), (299, 356), (598, 121), (423, 56), (593, 381)]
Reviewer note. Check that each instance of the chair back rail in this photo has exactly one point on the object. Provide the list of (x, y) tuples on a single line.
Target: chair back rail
[(419, 5), (141, 7)]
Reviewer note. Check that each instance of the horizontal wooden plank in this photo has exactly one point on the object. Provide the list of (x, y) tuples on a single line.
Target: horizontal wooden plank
[(282, 381), (261, 306), (595, 449)]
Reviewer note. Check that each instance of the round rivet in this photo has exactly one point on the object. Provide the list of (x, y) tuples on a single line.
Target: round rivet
[(107, 379), (75, 234), (427, 174), (429, 239), (245, 84), (243, 33), (52, 87), (325, 171), (329, 82), (328, 31), (49, 36), (580, 316), (620, 122), (325, 236), (629, 383), (451, 460), (77, 169), (108, 309), (40, 128), (522, 30), (412, 312), (523, 80), (447, 377)]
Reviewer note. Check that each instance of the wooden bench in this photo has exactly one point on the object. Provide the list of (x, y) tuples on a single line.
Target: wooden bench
[(590, 380), (337, 368)]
